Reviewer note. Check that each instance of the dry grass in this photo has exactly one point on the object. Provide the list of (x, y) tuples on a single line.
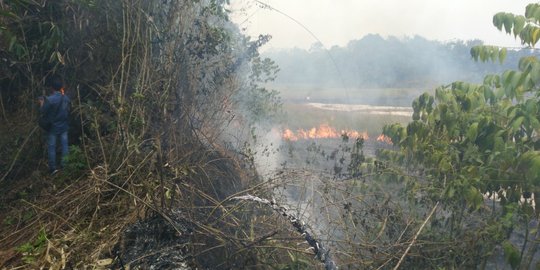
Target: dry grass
[(150, 139), (303, 116)]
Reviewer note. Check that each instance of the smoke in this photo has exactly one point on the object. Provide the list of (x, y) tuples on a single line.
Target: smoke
[(267, 157)]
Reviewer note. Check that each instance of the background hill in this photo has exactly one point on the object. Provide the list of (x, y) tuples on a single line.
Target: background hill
[(377, 62)]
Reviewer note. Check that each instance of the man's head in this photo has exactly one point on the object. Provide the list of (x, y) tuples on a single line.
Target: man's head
[(55, 82)]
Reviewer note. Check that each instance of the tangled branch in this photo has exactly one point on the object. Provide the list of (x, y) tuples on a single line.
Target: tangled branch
[(320, 251)]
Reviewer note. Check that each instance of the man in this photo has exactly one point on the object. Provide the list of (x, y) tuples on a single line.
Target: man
[(55, 108)]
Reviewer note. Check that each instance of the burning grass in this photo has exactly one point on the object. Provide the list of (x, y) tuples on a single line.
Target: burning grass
[(361, 122), (324, 131)]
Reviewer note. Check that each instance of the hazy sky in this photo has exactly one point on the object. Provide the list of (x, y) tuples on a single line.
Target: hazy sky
[(335, 22)]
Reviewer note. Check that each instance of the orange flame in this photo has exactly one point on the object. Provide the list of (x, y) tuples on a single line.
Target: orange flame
[(322, 132), (385, 139), (289, 135)]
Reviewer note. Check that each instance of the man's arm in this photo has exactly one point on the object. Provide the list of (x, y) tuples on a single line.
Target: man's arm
[(45, 105)]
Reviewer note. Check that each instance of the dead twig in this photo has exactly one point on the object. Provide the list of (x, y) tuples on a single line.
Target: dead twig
[(416, 236), (320, 251)]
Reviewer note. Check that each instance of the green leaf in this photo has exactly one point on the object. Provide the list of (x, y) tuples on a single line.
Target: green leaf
[(472, 132), (535, 73), (475, 52), (493, 54), (531, 107), (489, 95), (450, 192), (444, 165), (516, 124), (530, 10), (514, 81), (508, 22), (502, 55), (498, 20), (535, 35), (534, 169), (498, 145), (473, 197), (9, 14), (511, 254), (536, 15), (519, 24), (526, 62), (535, 124), (499, 93), (507, 77), (12, 42)]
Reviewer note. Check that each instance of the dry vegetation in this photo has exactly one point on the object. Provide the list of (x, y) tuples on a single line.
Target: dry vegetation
[(166, 95), (155, 85)]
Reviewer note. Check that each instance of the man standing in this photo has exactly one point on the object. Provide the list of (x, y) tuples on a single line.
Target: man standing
[(55, 108)]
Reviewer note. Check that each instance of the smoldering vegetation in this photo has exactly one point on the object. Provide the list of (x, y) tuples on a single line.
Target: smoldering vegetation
[(370, 213), (334, 187)]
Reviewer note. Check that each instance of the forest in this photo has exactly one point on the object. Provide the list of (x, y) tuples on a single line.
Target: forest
[(176, 159), (377, 62)]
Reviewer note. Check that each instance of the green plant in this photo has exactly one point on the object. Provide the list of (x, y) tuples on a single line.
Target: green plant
[(31, 250), (472, 139), (75, 161), (9, 220)]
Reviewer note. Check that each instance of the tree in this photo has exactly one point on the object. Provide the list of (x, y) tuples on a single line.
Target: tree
[(473, 139)]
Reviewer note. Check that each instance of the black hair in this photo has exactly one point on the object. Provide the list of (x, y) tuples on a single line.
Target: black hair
[(55, 82)]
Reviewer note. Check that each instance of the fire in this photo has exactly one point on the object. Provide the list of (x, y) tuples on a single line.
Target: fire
[(289, 135), (325, 131), (385, 139), (322, 132)]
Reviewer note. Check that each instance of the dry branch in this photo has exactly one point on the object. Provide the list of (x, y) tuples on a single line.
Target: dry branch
[(416, 236), (320, 251)]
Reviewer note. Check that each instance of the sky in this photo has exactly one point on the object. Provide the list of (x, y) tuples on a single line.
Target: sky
[(336, 22)]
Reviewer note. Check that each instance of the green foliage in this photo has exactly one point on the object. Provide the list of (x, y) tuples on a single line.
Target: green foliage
[(472, 139), (488, 53), (511, 254), (469, 139), (259, 103), (526, 27), (75, 161), (31, 250), (482, 133), (9, 220), (30, 33)]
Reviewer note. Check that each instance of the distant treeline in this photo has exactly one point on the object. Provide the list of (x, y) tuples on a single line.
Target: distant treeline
[(374, 61)]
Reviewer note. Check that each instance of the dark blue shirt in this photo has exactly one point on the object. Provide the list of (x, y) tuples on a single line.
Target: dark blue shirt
[(57, 115)]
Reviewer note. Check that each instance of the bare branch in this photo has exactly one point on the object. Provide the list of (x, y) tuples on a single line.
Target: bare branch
[(320, 251)]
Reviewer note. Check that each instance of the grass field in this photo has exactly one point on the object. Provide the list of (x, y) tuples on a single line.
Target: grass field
[(300, 115), (303, 116), (368, 96)]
